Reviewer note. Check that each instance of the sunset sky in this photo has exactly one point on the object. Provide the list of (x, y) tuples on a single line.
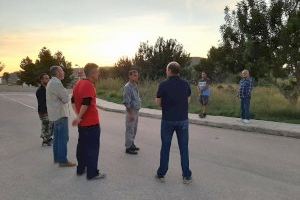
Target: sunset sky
[(102, 31)]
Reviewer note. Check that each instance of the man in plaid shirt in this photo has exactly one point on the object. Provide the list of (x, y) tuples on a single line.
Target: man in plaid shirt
[(245, 96)]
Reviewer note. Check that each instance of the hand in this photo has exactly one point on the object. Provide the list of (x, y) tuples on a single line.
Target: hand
[(130, 116), (76, 121)]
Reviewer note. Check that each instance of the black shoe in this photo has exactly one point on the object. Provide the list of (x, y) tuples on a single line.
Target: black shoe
[(45, 143), (160, 178), (135, 147), (204, 115), (187, 180), (201, 115), (131, 151), (97, 177), (80, 173)]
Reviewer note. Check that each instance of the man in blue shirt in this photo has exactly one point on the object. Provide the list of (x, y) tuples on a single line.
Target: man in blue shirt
[(245, 96), (173, 96)]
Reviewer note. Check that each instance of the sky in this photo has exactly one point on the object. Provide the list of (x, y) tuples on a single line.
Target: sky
[(103, 31)]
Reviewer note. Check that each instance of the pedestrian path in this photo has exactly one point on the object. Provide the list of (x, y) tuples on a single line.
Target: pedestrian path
[(255, 126)]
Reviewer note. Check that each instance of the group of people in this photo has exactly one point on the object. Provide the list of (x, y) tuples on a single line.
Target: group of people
[(173, 95), (244, 93), (53, 107)]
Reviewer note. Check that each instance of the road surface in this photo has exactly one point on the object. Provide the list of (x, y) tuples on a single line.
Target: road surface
[(226, 164)]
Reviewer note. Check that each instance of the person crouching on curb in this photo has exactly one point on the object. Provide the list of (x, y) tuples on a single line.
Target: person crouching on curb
[(132, 102), (87, 120), (245, 96)]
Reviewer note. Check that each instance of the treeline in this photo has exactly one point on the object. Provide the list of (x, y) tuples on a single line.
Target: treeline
[(150, 60), (31, 70)]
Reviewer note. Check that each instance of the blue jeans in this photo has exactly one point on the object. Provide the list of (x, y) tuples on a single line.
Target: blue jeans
[(61, 138), (245, 108), (182, 131), (87, 152)]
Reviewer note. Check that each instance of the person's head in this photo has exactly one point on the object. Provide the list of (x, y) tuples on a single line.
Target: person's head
[(173, 69), (203, 75), (245, 73), (44, 79), (91, 72), (58, 72), (133, 75)]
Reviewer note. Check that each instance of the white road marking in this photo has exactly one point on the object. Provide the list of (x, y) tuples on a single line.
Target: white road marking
[(17, 101)]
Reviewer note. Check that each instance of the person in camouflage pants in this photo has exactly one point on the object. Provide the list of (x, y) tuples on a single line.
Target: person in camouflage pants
[(47, 129), (47, 126)]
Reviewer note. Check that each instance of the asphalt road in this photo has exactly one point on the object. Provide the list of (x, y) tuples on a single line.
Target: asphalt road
[(226, 164)]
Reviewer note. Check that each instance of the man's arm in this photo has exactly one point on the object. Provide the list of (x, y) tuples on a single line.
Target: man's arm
[(86, 102), (38, 97), (189, 92), (73, 104), (62, 93), (159, 95), (158, 101), (127, 99)]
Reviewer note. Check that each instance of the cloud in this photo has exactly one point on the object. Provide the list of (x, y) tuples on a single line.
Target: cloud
[(211, 5), (104, 43)]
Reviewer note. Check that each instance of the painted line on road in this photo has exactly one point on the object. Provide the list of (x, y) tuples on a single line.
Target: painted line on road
[(17, 101)]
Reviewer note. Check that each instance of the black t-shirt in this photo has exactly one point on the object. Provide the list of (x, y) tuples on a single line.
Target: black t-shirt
[(174, 93), (41, 98)]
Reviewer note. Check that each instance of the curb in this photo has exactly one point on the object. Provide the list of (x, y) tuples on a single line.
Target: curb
[(253, 127)]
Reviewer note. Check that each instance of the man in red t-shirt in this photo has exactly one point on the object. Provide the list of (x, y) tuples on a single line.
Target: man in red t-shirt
[(88, 122)]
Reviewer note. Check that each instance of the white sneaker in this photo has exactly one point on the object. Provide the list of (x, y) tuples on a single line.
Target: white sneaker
[(246, 121)]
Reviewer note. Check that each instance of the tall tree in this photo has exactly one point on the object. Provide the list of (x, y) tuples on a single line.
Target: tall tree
[(152, 59), (31, 71), (6, 76), (2, 66), (122, 67)]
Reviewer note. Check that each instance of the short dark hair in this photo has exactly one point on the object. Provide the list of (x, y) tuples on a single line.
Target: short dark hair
[(132, 71), (89, 67), (42, 76), (174, 67)]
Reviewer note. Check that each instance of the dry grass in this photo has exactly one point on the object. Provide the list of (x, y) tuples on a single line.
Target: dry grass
[(267, 103)]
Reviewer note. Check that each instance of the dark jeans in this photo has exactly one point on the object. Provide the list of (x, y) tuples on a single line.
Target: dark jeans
[(88, 150), (182, 131), (245, 108), (61, 138)]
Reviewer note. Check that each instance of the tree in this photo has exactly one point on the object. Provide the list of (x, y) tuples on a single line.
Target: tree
[(2, 66), (6, 76), (152, 60), (31, 71), (122, 67), (262, 37), (289, 54)]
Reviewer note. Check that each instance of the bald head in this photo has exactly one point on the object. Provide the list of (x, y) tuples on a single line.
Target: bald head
[(245, 73), (173, 69)]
